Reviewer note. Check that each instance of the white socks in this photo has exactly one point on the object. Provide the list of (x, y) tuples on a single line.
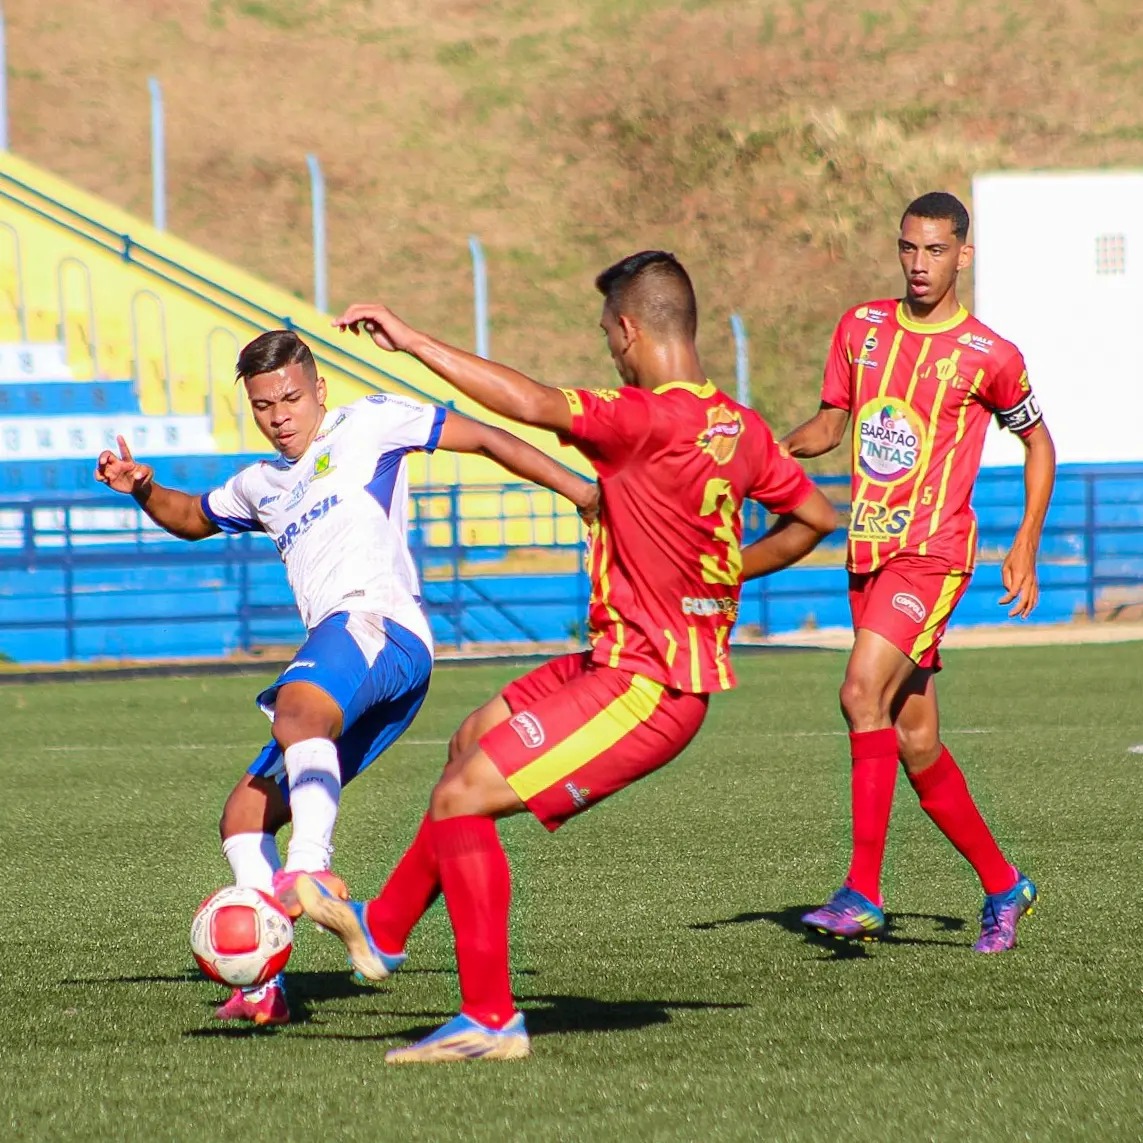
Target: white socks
[(253, 859), (315, 792)]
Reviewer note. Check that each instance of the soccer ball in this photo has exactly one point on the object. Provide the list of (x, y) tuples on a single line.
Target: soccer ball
[(241, 936)]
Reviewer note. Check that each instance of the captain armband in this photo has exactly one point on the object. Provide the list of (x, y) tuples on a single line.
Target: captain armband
[(1020, 417)]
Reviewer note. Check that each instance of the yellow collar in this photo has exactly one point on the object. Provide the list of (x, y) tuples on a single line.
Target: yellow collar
[(705, 390), (919, 327)]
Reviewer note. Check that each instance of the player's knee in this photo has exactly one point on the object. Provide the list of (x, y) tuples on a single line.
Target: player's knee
[(862, 701), (918, 747)]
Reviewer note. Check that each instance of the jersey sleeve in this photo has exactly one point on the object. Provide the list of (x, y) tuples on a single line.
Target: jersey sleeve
[(836, 390), (608, 425), (780, 483), (1008, 393), (404, 424), (231, 507)]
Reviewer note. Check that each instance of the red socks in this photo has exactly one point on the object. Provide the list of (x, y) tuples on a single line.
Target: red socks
[(873, 777), (945, 798), (477, 889), (405, 898)]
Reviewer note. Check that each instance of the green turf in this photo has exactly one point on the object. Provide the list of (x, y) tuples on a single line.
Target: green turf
[(657, 953)]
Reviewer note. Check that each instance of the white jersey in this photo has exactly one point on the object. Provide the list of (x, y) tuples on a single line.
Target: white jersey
[(339, 513)]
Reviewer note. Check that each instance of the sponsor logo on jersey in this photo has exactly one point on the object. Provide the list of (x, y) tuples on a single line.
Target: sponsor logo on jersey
[(869, 518), (890, 439), (337, 421), (529, 728), (867, 362), (870, 314), (976, 342), (606, 394), (910, 605), (869, 345), (720, 438), (578, 796), (706, 606), (296, 528), (268, 500)]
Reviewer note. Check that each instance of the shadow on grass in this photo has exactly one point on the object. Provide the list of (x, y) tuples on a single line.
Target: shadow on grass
[(550, 1014), (790, 919)]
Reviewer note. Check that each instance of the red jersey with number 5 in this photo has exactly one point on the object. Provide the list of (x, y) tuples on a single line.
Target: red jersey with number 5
[(674, 465), (920, 398)]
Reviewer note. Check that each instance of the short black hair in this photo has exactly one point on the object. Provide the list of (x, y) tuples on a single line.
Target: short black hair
[(272, 351), (653, 288), (940, 205)]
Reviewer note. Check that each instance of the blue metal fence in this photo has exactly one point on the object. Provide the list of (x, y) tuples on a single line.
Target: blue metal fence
[(89, 577)]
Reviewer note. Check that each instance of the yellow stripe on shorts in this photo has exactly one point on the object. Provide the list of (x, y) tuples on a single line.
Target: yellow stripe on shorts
[(598, 735), (938, 615)]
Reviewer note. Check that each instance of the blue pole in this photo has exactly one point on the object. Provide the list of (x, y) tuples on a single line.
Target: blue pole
[(317, 194), (741, 359), (158, 156), (480, 295), (3, 83)]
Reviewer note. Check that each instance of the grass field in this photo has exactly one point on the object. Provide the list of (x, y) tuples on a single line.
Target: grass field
[(657, 951)]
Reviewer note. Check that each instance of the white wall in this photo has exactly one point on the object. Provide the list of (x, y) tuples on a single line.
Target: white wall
[(1059, 271)]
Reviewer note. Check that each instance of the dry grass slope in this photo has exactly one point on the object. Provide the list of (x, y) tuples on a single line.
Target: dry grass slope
[(770, 142)]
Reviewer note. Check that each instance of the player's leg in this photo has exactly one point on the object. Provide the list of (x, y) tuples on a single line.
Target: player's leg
[(944, 795), (414, 884), (879, 666), (595, 736)]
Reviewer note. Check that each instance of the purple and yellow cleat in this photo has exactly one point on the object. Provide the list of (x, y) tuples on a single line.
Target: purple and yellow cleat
[(847, 914), (1001, 914), (464, 1038)]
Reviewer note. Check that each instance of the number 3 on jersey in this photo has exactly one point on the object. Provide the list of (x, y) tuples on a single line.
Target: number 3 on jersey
[(717, 568)]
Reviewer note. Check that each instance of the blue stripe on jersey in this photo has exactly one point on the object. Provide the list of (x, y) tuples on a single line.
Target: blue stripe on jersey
[(384, 481), (230, 524), (435, 431)]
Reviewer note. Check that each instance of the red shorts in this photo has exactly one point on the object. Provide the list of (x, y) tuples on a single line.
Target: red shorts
[(908, 601), (580, 732)]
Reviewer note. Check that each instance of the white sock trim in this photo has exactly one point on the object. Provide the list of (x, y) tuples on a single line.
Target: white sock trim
[(314, 777), (253, 859)]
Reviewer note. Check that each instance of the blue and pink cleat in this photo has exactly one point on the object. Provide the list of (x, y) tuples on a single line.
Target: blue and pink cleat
[(847, 915), (1002, 913)]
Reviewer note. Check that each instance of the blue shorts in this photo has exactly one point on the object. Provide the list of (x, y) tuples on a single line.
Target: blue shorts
[(374, 669)]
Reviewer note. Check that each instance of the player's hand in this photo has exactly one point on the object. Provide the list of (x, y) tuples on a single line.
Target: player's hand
[(123, 473), (1018, 573), (589, 508), (388, 331)]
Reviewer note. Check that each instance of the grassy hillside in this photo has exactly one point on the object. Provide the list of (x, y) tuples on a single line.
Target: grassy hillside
[(771, 143)]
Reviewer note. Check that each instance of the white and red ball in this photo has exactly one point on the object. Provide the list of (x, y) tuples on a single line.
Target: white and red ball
[(241, 936)]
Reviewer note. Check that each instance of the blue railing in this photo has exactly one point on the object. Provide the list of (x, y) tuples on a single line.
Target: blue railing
[(89, 577)]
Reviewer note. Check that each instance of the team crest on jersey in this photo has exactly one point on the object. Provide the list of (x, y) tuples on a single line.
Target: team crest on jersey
[(720, 438), (322, 466), (889, 440)]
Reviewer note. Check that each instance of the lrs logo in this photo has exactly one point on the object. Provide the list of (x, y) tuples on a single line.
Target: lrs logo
[(528, 727)]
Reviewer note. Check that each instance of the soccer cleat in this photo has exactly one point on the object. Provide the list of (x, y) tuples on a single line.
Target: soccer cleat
[(286, 888), (847, 914), (264, 1006), (463, 1038), (1001, 914), (346, 920)]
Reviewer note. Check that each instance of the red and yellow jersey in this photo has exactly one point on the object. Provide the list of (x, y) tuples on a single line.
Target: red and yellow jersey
[(675, 465), (920, 398)]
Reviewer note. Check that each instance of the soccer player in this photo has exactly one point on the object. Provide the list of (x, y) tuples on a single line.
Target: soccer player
[(676, 459), (921, 378), (334, 500)]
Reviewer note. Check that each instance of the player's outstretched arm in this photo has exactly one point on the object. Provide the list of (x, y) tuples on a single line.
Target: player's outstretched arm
[(494, 386), (462, 434), (791, 538), (1021, 588), (822, 433), (176, 512)]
